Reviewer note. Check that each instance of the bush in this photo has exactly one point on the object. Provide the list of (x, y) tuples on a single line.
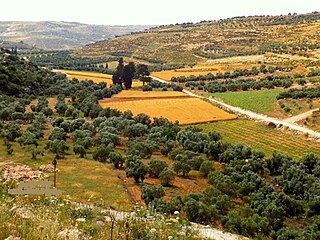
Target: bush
[(146, 88), (167, 176)]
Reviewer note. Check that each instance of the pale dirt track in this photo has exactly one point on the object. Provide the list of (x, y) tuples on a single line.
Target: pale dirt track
[(256, 116), (301, 116)]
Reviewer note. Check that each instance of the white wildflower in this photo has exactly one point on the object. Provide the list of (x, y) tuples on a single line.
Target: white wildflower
[(80, 220)]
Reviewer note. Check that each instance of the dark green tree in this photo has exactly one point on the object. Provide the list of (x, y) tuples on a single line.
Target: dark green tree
[(128, 74), (156, 167), (150, 193), (142, 73), (167, 176), (117, 77), (117, 159)]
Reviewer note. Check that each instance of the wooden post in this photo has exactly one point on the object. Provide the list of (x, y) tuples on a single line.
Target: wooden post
[(54, 162)]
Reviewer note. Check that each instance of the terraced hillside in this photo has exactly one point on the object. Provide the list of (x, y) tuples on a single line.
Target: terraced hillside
[(188, 44)]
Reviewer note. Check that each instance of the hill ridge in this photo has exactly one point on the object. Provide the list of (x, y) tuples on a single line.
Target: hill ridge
[(61, 34)]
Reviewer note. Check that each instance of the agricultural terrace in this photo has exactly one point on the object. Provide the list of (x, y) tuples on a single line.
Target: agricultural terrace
[(184, 110), (94, 76), (260, 137)]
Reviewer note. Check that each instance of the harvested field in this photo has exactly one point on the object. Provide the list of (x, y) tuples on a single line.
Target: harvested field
[(148, 95), (185, 110), (94, 76)]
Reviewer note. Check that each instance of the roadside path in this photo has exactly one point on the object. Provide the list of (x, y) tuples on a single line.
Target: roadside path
[(301, 116), (253, 115)]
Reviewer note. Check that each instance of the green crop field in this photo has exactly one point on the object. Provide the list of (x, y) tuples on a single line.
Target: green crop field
[(257, 101), (260, 137)]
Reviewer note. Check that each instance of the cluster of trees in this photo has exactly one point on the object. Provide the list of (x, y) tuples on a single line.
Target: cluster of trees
[(245, 84), (232, 75), (300, 93), (126, 73), (214, 51), (21, 77), (26, 80), (164, 86), (251, 195), (286, 48), (65, 60), (233, 81), (294, 19), (248, 194)]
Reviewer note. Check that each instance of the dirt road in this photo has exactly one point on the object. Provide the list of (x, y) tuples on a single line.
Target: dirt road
[(301, 116)]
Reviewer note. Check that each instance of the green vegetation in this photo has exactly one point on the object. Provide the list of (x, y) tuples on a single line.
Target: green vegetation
[(260, 137), (257, 101), (301, 93), (63, 59), (254, 180), (57, 218)]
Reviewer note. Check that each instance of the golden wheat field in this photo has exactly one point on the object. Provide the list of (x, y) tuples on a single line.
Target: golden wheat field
[(151, 94), (94, 76), (185, 110)]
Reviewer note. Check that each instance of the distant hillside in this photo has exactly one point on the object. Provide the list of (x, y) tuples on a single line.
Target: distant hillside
[(60, 35), (190, 43), (10, 44)]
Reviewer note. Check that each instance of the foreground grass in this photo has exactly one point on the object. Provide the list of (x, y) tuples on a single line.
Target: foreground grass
[(84, 180), (39, 217), (90, 181), (259, 137), (257, 101)]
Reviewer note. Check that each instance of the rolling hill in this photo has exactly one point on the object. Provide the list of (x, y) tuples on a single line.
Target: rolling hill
[(190, 43), (60, 35)]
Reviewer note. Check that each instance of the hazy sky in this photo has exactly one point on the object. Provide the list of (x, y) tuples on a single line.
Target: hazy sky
[(128, 12)]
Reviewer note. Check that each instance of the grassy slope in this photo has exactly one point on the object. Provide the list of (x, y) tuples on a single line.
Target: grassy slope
[(260, 137), (78, 178), (256, 101)]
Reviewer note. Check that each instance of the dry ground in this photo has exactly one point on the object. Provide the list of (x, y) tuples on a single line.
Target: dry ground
[(148, 95), (185, 110)]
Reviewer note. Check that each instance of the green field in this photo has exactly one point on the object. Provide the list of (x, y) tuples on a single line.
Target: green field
[(257, 101), (260, 137)]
